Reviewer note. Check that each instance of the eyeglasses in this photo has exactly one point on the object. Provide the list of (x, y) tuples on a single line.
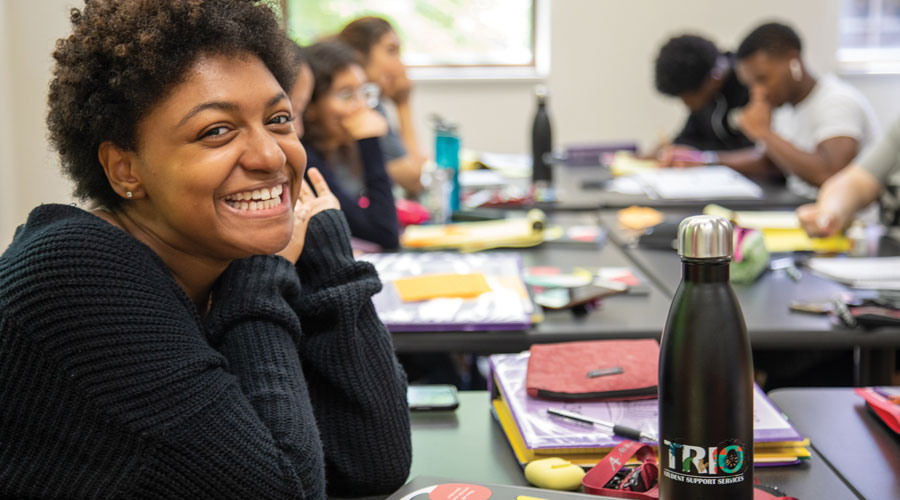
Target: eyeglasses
[(368, 92)]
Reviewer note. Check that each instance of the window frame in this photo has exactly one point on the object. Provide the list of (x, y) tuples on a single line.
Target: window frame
[(868, 60), (538, 70)]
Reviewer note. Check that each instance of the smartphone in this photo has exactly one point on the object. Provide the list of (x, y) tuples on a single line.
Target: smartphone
[(564, 298), (432, 397)]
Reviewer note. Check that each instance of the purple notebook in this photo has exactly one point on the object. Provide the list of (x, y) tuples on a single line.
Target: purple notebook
[(506, 307), (541, 431)]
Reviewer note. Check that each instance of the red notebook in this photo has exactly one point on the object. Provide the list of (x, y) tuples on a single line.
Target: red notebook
[(610, 370), (880, 400)]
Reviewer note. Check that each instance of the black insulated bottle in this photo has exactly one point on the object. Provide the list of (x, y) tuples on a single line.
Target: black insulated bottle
[(705, 375), (541, 140)]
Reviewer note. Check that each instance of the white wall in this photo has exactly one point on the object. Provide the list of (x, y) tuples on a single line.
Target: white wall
[(601, 78), (601, 81), (31, 170), (7, 172)]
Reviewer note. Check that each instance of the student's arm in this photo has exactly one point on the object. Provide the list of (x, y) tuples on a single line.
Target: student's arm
[(357, 387), (840, 197), (406, 171), (405, 121), (381, 225), (750, 162), (230, 422), (815, 168), (837, 131), (853, 188)]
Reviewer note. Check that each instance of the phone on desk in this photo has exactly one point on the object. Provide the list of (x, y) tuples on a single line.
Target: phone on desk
[(432, 397), (565, 298)]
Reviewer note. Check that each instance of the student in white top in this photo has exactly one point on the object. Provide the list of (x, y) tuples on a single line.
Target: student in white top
[(807, 128)]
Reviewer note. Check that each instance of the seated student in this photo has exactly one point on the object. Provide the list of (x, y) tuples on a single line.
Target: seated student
[(855, 187), (342, 140), (301, 89), (377, 44), (692, 69), (155, 346), (810, 128)]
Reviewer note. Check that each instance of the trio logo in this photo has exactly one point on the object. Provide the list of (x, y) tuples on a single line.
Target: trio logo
[(728, 458)]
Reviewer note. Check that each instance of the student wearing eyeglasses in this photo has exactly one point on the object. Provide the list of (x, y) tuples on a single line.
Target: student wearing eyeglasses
[(342, 134)]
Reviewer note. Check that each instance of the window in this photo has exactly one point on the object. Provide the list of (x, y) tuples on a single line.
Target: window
[(870, 36), (442, 38)]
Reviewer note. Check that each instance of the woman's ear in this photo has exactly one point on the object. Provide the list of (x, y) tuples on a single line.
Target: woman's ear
[(119, 166)]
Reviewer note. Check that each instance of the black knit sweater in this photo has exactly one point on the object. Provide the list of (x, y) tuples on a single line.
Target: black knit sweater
[(112, 386)]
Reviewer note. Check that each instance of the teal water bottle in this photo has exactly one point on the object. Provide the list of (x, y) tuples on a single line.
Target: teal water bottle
[(446, 156)]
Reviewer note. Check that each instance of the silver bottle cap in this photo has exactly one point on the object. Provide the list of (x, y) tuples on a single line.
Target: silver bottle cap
[(705, 237)]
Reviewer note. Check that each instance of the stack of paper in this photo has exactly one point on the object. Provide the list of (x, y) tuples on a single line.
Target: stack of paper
[(440, 291), (533, 434), (879, 273), (697, 183)]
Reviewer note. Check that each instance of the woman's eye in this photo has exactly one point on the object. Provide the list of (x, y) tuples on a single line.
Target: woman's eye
[(215, 132), (281, 119)]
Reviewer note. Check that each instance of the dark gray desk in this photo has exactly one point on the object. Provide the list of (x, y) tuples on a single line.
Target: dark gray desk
[(854, 442), (468, 445), (581, 188), (619, 317), (765, 306)]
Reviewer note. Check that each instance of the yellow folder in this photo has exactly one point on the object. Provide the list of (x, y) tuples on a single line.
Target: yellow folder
[(432, 286)]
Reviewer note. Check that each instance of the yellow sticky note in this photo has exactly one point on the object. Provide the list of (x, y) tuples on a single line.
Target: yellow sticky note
[(441, 285), (796, 240)]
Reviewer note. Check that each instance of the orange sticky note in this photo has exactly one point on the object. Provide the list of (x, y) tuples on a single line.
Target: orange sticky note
[(441, 285)]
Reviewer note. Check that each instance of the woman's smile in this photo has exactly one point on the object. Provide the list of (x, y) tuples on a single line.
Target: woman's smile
[(260, 202)]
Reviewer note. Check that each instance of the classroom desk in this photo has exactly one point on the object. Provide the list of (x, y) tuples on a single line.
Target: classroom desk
[(770, 323), (581, 188), (468, 445), (854, 442), (618, 317)]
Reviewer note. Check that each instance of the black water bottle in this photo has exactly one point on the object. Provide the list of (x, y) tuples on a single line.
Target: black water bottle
[(705, 375), (541, 141)]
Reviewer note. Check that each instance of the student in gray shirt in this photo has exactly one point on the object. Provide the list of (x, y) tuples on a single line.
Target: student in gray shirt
[(855, 187), (378, 48)]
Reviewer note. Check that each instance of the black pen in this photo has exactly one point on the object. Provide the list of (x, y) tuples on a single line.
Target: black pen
[(618, 430)]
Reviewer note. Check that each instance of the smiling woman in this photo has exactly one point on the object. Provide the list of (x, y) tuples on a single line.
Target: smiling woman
[(198, 333)]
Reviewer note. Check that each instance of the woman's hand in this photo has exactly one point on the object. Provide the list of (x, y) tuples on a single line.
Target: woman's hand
[(677, 155), (365, 124), (308, 205), (818, 222), (401, 88)]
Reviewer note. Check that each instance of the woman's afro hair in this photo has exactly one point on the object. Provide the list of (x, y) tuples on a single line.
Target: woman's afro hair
[(123, 58)]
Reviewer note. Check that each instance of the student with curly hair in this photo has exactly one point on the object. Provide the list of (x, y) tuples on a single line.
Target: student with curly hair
[(190, 337), (342, 140), (378, 46), (692, 69)]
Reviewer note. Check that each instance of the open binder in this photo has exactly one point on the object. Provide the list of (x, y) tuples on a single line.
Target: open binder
[(533, 434), (502, 303)]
